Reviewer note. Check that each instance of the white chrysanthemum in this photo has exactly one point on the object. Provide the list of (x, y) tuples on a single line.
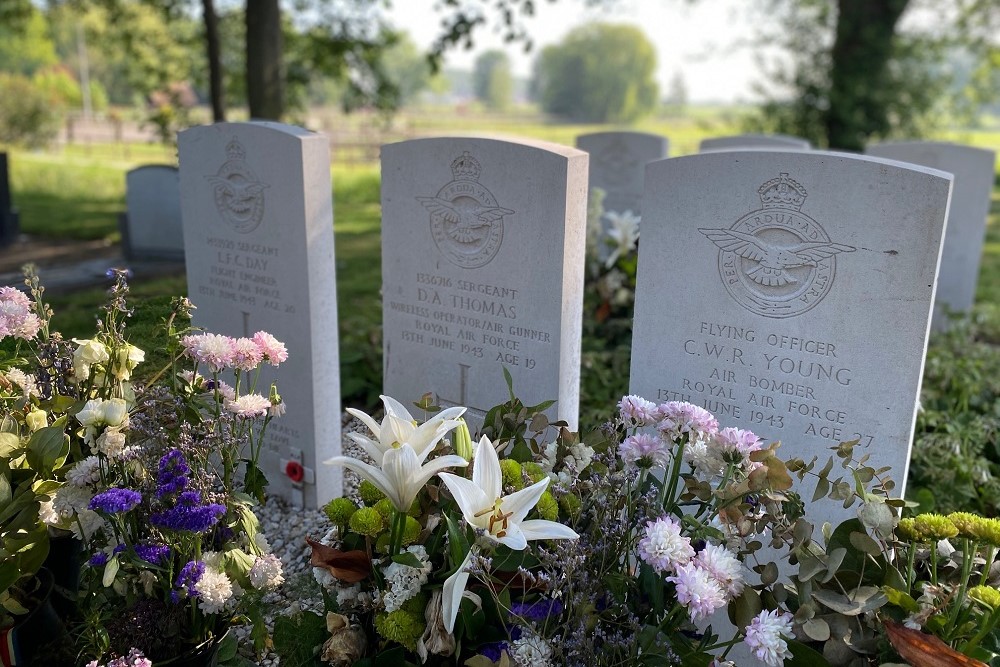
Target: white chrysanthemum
[(697, 590), (111, 443), (403, 581), (265, 573), (87, 471), (705, 459), (69, 500), (764, 637), (260, 540), (531, 651), (347, 595), (724, 566), (24, 381), (663, 547), (249, 406), (90, 521), (214, 591)]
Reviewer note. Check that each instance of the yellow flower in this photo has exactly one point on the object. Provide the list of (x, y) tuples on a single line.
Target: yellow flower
[(36, 419)]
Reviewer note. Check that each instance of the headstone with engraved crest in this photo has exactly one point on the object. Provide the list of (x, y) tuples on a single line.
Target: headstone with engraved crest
[(482, 269), (974, 170), (790, 293), (617, 166), (256, 200)]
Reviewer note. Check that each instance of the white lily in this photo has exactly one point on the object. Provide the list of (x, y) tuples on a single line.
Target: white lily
[(399, 427), (402, 473), (502, 517)]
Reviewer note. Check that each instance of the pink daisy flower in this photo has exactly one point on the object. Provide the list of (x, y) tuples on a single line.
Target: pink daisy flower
[(271, 348)]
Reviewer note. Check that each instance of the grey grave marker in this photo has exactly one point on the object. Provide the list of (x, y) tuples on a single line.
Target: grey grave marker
[(152, 228), (258, 234), (482, 268), (974, 170), (790, 294), (750, 141)]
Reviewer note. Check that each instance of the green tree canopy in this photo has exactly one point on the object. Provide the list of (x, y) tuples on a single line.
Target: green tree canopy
[(492, 80), (26, 46), (599, 73)]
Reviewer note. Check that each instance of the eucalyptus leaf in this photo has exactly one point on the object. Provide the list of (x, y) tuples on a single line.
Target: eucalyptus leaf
[(816, 629)]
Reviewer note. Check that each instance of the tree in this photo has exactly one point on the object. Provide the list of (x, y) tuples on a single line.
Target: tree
[(599, 73), (677, 96), (407, 68), (29, 47), (492, 80)]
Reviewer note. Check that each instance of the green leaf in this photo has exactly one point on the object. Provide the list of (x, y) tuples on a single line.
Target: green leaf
[(900, 599), (296, 638), (9, 573), (804, 656), (408, 559), (9, 443), (743, 609), (227, 648), (47, 449), (6, 494), (510, 382), (110, 570), (457, 544), (864, 542)]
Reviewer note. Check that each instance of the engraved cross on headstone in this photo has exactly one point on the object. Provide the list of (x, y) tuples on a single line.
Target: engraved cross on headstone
[(463, 397)]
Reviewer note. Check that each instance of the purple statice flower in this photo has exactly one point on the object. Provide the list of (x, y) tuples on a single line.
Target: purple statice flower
[(189, 577), (188, 514), (99, 559), (172, 477), (494, 650), (536, 611), (155, 554), (115, 500), (644, 451)]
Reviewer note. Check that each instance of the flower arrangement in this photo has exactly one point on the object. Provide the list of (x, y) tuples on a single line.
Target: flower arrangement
[(158, 481), (517, 551)]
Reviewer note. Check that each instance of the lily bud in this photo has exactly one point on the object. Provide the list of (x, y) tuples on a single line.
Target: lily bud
[(463, 440)]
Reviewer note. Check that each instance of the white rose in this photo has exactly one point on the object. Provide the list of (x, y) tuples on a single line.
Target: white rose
[(112, 443), (91, 414), (88, 353), (129, 356), (36, 419), (114, 411)]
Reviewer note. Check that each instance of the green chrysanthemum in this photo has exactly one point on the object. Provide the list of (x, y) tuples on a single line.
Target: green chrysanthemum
[(935, 527), (385, 508), (401, 626), (535, 472), (987, 595), (367, 521), (411, 531), (382, 543), (969, 525), (339, 510), (510, 471), (369, 493), (906, 529), (571, 505), (990, 531), (547, 507)]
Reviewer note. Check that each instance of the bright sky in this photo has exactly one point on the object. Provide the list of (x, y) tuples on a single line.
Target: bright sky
[(705, 42)]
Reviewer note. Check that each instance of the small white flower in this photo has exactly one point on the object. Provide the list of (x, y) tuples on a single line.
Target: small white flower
[(531, 651), (111, 443), (249, 406), (214, 591), (265, 573), (766, 637), (404, 582), (87, 471), (623, 234), (24, 381)]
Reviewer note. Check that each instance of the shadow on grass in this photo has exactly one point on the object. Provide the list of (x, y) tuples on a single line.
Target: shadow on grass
[(73, 216)]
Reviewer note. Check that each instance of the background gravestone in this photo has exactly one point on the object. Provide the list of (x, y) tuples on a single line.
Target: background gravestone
[(804, 309), (152, 227), (974, 170), (10, 223), (617, 166), (749, 141), (258, 234), (482, 268)]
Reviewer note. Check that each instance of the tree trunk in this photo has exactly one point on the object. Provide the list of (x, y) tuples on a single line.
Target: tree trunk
[(265, 71), (859, 68), (214, 61)]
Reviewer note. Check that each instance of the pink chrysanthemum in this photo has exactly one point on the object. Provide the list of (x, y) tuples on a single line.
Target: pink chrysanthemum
[(677, 418), (736, 440), (249, 406), (663, 547), (16, 316), (273, 350), (697, 590), (637, 410), (213, 350), (644, 451), (247, 355), (727, 570), (765, 637)]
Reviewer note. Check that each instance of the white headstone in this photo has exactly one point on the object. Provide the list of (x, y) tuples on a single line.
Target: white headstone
[(750, 141), (482, 268), (258, 233), (153, 221), (974, 170), (790, 293)]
